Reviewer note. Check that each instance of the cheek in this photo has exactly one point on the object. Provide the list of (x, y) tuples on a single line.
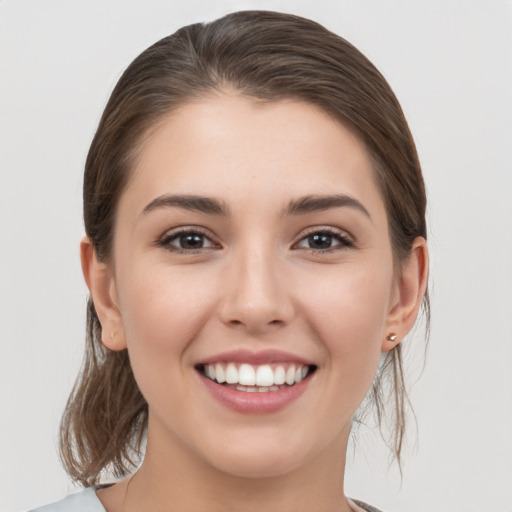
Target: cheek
[(162, 312), (349, 317)]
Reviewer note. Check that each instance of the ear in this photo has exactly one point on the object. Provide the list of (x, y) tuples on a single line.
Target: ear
[(410, 288), (100, 281)]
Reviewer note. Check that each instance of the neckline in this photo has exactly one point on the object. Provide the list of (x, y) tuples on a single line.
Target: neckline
[(90, 493)]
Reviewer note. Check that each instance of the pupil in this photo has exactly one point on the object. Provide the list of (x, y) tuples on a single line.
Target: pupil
[(320, 241), (191, 241)]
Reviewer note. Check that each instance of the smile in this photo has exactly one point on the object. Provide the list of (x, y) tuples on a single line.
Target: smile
[(260, 382), (256, 378)]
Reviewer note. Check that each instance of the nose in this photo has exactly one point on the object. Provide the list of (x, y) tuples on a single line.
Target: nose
[(256, 294)]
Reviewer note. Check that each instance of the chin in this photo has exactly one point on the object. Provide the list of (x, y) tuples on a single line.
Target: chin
[(268, 454), (259, 465)]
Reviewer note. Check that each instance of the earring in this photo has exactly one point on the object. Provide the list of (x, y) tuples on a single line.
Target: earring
[(392, 337), (112, 335)]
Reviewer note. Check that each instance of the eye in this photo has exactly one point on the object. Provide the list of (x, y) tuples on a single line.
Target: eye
[(325, 240), (186, 240)]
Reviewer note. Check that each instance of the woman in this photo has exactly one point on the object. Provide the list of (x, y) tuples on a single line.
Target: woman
[(255, 253)]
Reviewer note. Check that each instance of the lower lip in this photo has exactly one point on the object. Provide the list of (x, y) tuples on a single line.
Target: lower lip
[(256, 402)]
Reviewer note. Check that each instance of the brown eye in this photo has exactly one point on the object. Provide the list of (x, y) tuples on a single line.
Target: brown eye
[(191, 241), (184, 241), (324, 240), (320, 241)]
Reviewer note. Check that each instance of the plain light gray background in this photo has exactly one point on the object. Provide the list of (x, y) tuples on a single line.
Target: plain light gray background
[(449, 63)]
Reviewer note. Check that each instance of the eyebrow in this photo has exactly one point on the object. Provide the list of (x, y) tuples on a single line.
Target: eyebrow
[(212, 206), (201, 204), (309, 204)]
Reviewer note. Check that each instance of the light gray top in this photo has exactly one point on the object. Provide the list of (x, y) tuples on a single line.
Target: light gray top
[(87, 501), (84, 501)]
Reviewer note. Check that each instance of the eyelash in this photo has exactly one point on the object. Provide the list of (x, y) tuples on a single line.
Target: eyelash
[(344, 241), (166, 240)]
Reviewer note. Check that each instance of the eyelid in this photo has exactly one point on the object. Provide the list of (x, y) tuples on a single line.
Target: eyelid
[(171, 234), (346, 240)]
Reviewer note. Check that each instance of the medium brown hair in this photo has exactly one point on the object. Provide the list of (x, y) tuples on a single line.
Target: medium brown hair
[(264, 55)]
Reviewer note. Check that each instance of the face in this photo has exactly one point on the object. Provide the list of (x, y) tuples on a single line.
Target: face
[(252, 282)]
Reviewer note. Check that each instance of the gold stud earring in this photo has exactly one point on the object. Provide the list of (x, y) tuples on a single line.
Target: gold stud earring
[(392, 337), (112, 335)]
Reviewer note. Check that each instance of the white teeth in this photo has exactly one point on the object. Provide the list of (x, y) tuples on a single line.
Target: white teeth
[(220, 374), (231, 374), (279, 376), (247, 375), (290, 375), (264, 376), (256, 378)]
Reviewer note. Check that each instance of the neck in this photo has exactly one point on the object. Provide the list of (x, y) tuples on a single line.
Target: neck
[(172, 478)]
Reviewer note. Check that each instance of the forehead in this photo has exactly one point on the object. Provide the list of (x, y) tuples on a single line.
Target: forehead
[(242, 149)]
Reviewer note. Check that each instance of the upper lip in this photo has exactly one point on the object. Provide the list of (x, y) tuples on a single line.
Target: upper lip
[(255, 358)]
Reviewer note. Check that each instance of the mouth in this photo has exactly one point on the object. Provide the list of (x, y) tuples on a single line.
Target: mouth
[(263, 378)]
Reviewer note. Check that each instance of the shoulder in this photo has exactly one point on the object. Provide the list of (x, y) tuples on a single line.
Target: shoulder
[(361, 506), (84, 501)]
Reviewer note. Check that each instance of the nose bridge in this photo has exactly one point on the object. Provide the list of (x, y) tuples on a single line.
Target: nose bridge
[(255, 295)]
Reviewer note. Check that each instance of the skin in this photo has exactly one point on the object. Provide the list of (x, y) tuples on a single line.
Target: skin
[(256, 283)]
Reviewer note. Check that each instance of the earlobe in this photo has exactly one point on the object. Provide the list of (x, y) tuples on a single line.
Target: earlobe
[(100, 281), (390, 342), (411, 287)]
